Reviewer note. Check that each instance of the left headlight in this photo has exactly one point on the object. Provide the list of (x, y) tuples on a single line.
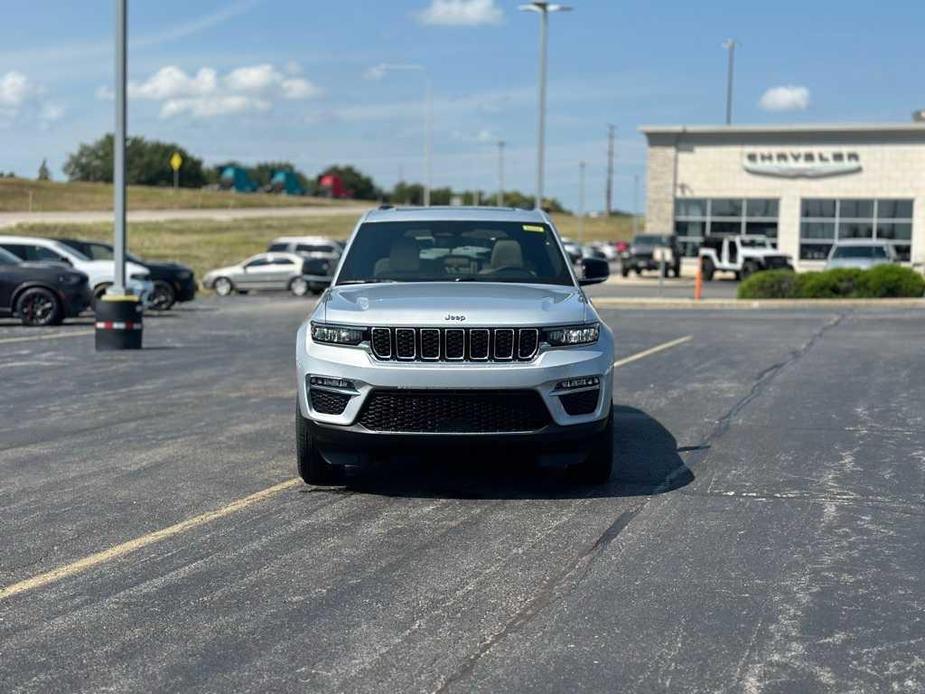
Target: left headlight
[(337, 334), (573, 335)]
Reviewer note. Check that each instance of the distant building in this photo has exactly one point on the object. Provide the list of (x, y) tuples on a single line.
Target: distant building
[(332, 186), (804, 185), (286, 182)]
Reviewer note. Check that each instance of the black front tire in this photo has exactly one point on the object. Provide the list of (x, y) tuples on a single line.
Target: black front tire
[(707, 269), (313, 468), (625, 271), (748, 269), (164, 296), (598, 465), (39, 307)]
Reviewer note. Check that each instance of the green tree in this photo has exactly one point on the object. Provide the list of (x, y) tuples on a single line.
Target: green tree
[(44, 173), (147, 163), (360, 185)]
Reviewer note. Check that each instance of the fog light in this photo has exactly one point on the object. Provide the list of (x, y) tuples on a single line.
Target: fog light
[(574, 383), (328, 382)]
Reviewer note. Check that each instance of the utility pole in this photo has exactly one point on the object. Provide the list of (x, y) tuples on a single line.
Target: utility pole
[(730, 45), (635, 204), (608, 203), (581, 201), (500, 173)]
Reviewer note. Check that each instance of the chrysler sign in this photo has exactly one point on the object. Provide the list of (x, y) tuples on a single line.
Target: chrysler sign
[(799, 163)]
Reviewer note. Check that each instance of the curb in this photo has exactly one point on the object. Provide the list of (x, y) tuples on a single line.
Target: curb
[(750, 304)]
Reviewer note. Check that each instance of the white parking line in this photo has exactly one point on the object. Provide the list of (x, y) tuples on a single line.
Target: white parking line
[(56, 336), (652, 350)]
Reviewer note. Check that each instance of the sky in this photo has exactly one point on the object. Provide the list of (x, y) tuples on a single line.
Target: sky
[(258, 80)]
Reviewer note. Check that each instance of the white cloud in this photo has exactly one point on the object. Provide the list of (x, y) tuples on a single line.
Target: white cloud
[(15, 88), (51, 113), (22, 99), (461, 13), (785, 98), (251, 88)]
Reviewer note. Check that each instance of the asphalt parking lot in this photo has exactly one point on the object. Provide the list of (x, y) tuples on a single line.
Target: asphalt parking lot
[(762, 531)]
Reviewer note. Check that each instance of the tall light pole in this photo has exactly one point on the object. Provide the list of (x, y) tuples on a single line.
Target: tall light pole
[(378, 72), (118, 173), (730, 45), (500, 200), (543, 9), (581, 201)]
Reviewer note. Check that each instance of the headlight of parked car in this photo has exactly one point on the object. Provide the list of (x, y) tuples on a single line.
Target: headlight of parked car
[(337, 335), (141, 276), (572, 335)]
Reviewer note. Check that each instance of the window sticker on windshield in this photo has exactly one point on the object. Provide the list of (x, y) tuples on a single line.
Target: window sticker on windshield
[(533, 227)]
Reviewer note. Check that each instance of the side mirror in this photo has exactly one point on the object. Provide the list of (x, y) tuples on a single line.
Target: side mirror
[(65, 261), (593, 271)]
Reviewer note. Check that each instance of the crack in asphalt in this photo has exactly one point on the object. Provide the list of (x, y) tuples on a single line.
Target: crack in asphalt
[(554, 590), (566, 580)]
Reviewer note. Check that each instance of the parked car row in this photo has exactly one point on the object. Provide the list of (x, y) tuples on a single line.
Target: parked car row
[(41, 293)]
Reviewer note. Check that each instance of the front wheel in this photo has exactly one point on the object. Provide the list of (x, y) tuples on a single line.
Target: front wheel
[(223, 286), (163, 297), (707, 269), (749, 268), (313, 468), (39, 307), (598, 465), (299, 286)]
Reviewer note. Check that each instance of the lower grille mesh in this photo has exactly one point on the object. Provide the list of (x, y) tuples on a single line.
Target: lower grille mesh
[(443, 412), (326, 402), (584, 402)]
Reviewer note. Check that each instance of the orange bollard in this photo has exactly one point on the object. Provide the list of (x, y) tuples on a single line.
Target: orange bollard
[(698, 283)]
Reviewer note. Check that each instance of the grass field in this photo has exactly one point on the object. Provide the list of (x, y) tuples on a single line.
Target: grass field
[(204, 245), (16, 195)]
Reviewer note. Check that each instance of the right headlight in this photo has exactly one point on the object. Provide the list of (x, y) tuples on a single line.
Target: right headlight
[(572, 335)]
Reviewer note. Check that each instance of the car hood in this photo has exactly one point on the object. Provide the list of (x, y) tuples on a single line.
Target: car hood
[(166, 265), (433, 304), (108, 267), (861, 263), (50, 266), (222, 271)]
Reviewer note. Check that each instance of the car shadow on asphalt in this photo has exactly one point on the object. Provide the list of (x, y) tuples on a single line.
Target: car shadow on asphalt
[(646, 462)]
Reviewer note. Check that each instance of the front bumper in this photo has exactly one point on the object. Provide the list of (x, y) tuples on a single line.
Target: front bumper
[(186, 290), (77, 301), (541, 375)]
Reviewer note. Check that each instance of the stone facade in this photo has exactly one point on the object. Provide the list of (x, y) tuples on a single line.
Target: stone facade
[(790, 163)]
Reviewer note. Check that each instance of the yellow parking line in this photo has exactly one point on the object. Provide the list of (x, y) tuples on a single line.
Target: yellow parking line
[(145, 540), (652, 350), (56, 336)]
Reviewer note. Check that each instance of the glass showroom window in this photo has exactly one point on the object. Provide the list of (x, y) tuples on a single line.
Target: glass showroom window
[(697, 218), (823, 222)]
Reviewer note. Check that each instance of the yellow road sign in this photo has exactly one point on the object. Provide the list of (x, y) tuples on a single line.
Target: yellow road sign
[(176, 161)]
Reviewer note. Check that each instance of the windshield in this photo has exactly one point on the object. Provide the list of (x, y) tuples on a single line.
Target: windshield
[(860, 252), (7, 258), (448, 251)]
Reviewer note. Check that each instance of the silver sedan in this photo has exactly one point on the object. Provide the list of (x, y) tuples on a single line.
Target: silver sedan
[(262, 271)]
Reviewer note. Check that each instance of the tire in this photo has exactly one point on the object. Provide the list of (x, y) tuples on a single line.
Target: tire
[(37, 307), (677, 271), (749, 268), (708, 269), (299, 286), (313, 468), (598, 465), (638, 271), (625, 271), (163, 297), (223, 286)]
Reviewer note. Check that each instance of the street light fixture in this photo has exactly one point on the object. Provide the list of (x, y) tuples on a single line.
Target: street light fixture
[(378, 72), (543, 9)]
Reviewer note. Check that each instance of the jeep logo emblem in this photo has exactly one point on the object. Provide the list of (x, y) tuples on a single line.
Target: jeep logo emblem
[(455, 317)]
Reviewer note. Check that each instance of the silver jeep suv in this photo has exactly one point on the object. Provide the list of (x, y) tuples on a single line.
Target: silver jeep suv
[(460, 327)]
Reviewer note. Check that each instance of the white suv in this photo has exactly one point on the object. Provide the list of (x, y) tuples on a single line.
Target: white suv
[(459, 327), (100, 272)]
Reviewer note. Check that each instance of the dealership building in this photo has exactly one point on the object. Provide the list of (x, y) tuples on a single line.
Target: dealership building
[(805, 186)]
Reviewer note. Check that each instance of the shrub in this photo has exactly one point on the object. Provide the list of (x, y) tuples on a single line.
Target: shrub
[(841, 283), (890, 281), (770, 284)]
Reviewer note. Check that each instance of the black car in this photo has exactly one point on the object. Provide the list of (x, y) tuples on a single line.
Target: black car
[(41, 293), (642, 254), (173, 282)]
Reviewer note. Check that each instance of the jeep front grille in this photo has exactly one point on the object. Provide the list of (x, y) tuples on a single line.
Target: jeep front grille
[(454, 411), (455, 344)]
